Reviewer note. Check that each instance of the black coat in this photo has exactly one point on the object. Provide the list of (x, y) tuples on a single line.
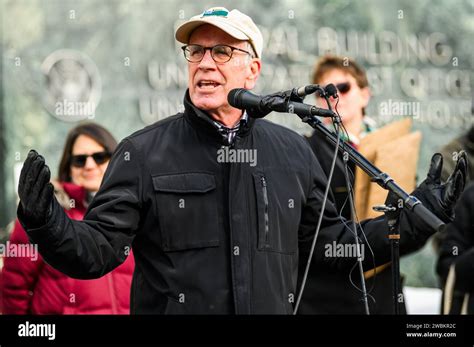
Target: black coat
[(208, 237), (329, 291), (457, 248)]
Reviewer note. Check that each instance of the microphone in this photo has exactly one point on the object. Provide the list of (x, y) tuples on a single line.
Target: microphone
[(259, 106), (307, 90), (331, 90)]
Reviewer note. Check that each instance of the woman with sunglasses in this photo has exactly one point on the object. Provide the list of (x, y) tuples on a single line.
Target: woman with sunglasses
[(354, 94), (30, 286), (331, 292)]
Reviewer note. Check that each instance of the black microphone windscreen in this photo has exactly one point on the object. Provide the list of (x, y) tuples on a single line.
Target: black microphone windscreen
[(234, 98), (331, 90), (245, 100)]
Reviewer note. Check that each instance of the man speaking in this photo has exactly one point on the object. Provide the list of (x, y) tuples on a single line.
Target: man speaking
[(208, 235)]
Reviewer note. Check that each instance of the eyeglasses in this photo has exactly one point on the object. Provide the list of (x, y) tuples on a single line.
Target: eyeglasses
[(220, 53), (81, 159), (343, 87)]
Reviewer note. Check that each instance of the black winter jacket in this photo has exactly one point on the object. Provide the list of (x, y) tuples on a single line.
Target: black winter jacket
[(457, 249), (207, 236)]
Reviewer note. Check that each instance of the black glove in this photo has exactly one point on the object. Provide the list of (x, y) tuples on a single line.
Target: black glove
[(440, 198), (35, 191)]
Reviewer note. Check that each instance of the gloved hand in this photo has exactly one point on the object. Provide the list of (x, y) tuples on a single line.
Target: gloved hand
[(35, 191), (440, 198)]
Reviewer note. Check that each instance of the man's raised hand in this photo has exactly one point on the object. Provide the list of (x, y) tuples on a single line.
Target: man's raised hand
[(35, 191)]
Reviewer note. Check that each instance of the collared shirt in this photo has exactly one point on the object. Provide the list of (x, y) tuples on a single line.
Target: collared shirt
[(229, 133)]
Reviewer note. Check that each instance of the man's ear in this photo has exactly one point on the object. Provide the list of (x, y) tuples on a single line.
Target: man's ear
[(254, 71)]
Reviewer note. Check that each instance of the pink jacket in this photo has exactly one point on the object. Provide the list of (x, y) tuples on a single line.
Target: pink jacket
[(33, 287)]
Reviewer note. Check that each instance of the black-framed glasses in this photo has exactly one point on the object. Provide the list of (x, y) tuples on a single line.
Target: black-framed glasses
[(81, 159), (220, 53), (343, 88)]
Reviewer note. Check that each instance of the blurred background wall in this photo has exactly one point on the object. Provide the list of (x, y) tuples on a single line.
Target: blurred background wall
[(120, 57)]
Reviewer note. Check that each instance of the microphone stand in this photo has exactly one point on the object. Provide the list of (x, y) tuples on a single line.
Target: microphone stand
[(392, 213), (382, 179), (292, 103), (396, 194), (337, 123)]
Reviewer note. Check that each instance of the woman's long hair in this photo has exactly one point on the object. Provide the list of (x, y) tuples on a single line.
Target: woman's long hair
[(96, 132)]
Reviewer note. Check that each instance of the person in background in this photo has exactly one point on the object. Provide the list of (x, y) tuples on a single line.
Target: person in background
[(353, 89), (456, 258), (464, 142), (335, 292), (31, 286), (459, 231)]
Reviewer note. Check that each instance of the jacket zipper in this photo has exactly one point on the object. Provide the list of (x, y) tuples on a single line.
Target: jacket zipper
[(265, 199), (228, 204)]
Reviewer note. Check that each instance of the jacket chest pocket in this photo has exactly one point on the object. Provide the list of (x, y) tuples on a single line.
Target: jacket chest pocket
[(187, 210), (278, 213)]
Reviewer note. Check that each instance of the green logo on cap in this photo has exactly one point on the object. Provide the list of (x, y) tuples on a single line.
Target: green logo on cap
[(216, 11)]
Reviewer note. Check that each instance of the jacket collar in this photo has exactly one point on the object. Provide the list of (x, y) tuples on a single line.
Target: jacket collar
[(200, 120), (77, 193)]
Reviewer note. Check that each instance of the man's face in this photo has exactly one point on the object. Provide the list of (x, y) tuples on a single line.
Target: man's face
[(210, 82), (352, 101)]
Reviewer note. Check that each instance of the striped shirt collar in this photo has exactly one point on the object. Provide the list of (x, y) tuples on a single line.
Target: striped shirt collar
[(229, 133)]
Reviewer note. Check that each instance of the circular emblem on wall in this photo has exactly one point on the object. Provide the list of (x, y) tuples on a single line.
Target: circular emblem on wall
[(73, 85)]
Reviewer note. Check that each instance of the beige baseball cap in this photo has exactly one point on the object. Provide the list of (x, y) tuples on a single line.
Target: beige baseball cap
[(234, 23)]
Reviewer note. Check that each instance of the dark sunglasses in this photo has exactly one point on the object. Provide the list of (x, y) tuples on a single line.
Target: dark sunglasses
[(343, 88), (81, 159)]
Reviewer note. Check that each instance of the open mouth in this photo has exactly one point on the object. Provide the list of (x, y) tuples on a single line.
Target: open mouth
[(207, 85)]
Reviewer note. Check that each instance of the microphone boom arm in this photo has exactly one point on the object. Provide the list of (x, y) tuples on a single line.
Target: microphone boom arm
[(259, 106), (376, 175)]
